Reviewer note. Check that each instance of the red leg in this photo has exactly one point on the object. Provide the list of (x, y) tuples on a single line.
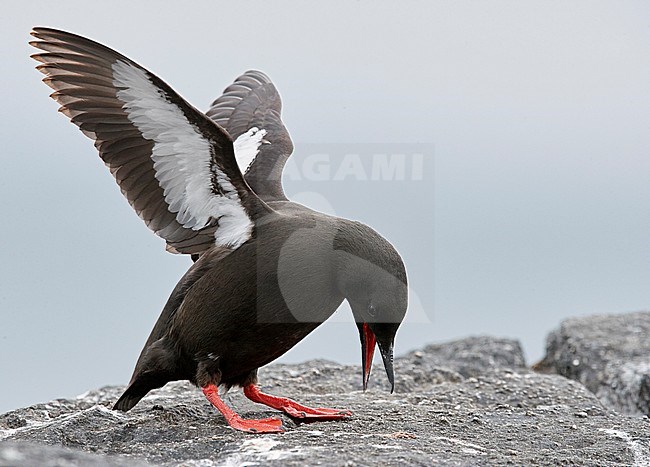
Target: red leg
[(264, 425), (293, 408)]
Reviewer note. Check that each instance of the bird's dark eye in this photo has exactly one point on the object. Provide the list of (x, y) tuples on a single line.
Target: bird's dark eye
[(371, 310)]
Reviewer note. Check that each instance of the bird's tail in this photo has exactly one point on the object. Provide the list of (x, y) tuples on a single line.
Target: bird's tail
[(139, 387), (127, 401), (155, 368)]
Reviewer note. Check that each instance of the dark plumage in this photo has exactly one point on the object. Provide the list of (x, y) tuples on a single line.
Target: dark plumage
[(267, 271)]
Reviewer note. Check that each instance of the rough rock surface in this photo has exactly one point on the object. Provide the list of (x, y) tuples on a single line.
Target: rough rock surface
[(609, 354), (469, 402)]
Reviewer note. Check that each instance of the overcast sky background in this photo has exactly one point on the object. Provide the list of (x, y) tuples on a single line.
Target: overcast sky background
[(533, 204)]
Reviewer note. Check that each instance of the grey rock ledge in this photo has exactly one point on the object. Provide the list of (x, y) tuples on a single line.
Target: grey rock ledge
[(468, 402)]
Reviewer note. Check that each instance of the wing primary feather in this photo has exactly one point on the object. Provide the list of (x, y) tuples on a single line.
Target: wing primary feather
[(176, 167)]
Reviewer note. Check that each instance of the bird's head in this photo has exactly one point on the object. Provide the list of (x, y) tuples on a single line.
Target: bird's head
[(372, 278)]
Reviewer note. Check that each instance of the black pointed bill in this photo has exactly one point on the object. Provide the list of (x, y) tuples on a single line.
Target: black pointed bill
[(368, 343), (387, 356)]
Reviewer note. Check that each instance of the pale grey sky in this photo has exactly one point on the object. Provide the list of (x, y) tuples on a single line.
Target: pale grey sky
[(533, 118)]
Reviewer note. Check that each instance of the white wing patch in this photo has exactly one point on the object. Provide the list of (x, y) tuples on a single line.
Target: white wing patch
[(247, 146), (182, 159)]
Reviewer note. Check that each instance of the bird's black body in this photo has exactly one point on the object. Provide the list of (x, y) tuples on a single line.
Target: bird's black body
[(267, 271), (250, 307)]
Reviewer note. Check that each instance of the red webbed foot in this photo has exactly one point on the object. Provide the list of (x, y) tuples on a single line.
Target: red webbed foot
[(264, 425), (321, 413), (293, 408), (259, 425)]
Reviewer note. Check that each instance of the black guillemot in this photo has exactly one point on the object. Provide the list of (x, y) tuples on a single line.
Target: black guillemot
[(267, 271)]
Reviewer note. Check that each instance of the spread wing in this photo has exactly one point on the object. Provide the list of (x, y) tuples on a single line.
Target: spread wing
[(250, 109), (175, 166)]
